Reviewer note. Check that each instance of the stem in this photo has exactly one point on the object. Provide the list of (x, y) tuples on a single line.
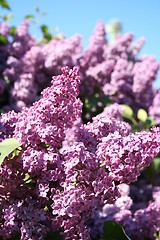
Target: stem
[(100, 166)]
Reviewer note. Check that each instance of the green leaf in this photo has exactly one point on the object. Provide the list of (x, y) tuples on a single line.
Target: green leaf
[(4, 4), (12, 31), (47, 36), (8, 17), (46, 208), (156, 164), (29, 17), (6, 147), (37, 9), (157, 235), (54, 236), (113, 231), (3, 39), (150, 122), (1, 111), (42, 144), (44, 13), (128, 112), (27, 178), (5, 17), (142, 115), (45, 29), (16, 152)]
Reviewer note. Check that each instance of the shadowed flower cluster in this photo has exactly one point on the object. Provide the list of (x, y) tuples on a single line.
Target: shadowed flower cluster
[(51, 185)]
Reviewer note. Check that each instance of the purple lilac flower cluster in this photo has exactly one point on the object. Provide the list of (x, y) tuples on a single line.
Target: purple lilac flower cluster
[(118, 72), (112, 111), (154, 109), (30, 69), (137, 210), (36, 127), (46, 186), (4, 31), (114, 69)]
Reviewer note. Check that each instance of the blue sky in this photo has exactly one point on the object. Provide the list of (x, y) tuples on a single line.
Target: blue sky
[(141, 17)]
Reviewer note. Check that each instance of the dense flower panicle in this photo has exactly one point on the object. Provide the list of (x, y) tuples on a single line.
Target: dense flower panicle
[(117, 74), (136, 46), (44, 164), (27, 216), (124, 156), (24, 92), (66, 171), (47, 119), (59, 53), (120, 83), (154, 109), (81, 178), (94, 54), (137, 212), (91, 134), (76, 182), (120, 49), (22, 40), (22, 74), (85, 188), (114, 70), (100, 74), (15, 72), (113, 111), (31, 72), (5, 29), (70, 134), (80, 132), (7, 125), (13, 69), (146, 72)]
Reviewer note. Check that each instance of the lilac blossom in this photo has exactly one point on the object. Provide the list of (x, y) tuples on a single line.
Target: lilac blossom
[(124, 156), (139, 217), (47, 119), (47, 186), (115, 70), (154, 109), (5, 29), (91, 134), (136, 46), (68, 171), (32, 71), (22, 40), (97, 46), (146, 72)]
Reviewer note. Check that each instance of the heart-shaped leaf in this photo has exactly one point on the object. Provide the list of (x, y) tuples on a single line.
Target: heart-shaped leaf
[(4, 4), (142, 115), (8, 146), (113, 231), (128, 112)]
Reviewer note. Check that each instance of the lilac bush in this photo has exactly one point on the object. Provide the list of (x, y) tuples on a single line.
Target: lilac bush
[(48, 186), (30, 69), (113, 71), (78, 157)]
